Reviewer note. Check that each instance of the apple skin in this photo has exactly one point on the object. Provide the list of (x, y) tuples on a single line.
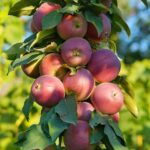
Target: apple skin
[(72, 26), (81, 83), (32, 69), (43, 10), (77, 136), (50, 64), (47, 90), (107, 98), (92, 33), (107, 65), (84, 110), (116, 117), (76, 51)]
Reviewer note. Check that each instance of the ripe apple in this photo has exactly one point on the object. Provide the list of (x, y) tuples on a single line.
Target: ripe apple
[(72, 26), (92, 33), (84, 110), (43, 10), (107, 98), (32, 69), (104, 65), (47, 90), (81, 83), (116, 117), (50, 64), (76, 51), (77, 136)]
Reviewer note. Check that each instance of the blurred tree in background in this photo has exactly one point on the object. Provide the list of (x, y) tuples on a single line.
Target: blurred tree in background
[(135, 54)]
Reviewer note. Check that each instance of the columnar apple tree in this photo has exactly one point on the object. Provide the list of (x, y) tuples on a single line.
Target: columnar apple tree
[(75, 67)]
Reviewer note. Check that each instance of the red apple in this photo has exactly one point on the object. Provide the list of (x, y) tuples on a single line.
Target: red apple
[(116, 117), (76, 51), (92, 32), (50, 64), (107, 98), (72, 26), (84, 110), (104, 65), (43, 10), (81, 83), (47, 90), (77, 136)]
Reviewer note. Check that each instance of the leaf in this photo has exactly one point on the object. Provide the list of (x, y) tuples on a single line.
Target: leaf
[(113, 46), (145, 2), (117, 130), (14, 51), (34, 138), (117, 17), (96, 135), (28, 104), (51, 20), (56, 126), (67, 109), (125, 85), (131, 105), (114, 141), (97, 119), (70, 9), (95, 20), (42, 35), (26, 59), (24, 7)]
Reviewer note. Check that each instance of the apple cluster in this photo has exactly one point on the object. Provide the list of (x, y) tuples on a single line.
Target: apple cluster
[(92, 78)]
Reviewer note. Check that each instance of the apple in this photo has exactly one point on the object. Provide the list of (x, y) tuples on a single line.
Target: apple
[(72, 26), (77, 136), (84, 110), (50, 64), (104, 65), (76, 51), (107, 98), (43, 10), (47, 90), (92, 33), (81, 83), (116, 117), (32, 69)]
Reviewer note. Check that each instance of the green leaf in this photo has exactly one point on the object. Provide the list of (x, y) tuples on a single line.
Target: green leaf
[(56, 126), (95, 20), (28, 104), (122, 81), (14, 51), (131, 105), (67, 109), (97, 119), (34, 138), (117, 130), (26, 59), (51, 20), (96, 135), (70, 9), (42, 35), (145, 2), (118, 19), (24, 7), (112, 45), (114, 141)]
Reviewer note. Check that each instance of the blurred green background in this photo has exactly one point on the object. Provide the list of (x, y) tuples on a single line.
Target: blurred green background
[(135, 54)]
